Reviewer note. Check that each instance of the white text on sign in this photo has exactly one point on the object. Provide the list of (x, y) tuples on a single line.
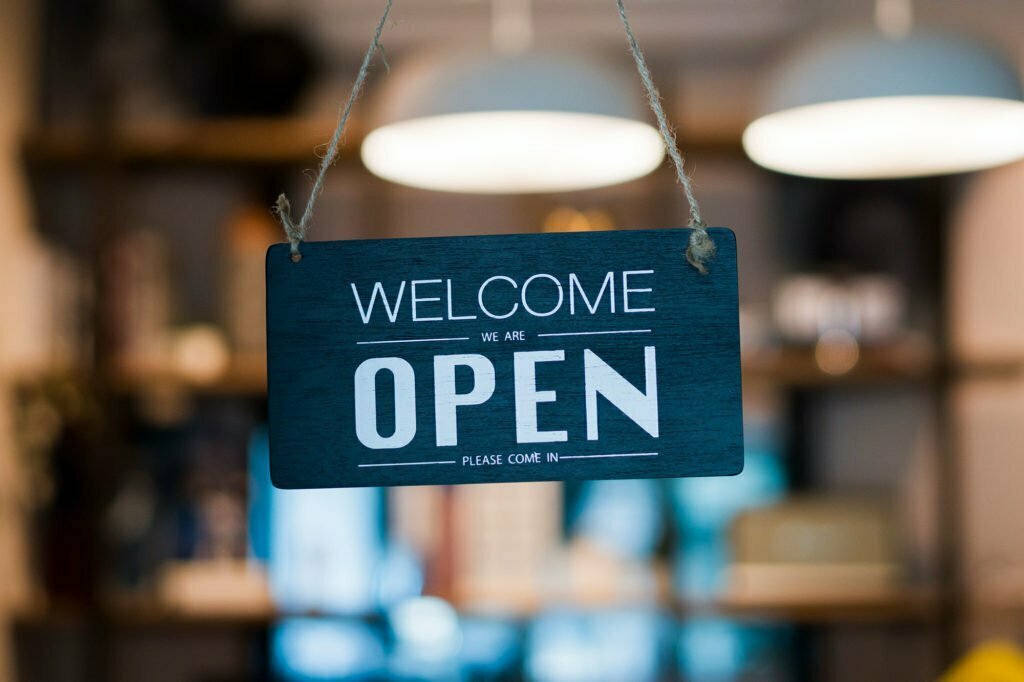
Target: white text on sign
[(599, 378)]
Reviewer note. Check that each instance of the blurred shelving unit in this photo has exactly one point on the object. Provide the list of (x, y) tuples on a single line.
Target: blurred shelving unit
[(224, 141), (100, 165), (797, 366), (898, 606), (787, 366), (108, 156), (991, 368), (244, 375), (792, 366)]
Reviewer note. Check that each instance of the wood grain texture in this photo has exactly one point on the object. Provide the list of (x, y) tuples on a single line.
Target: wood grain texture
[(316, 339)]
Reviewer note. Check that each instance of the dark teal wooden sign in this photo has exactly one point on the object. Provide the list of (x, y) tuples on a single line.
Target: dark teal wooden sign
[(502, 358)]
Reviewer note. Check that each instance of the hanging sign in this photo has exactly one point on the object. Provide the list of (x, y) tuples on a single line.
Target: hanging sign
[(502, 358)]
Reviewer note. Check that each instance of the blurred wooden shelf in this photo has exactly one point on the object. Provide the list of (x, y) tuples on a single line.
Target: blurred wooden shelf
[(1009, 607), (798, 366), (245, 375), (286, 140), (996, 367), (160, 617), (909, 606), (788, 366), (227, 141), (155, 616)]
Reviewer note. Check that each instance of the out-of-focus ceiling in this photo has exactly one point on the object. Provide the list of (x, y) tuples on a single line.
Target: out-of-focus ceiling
[(720, 29), (709, 56)]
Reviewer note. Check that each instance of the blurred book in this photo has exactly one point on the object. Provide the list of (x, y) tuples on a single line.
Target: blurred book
[(142, 308), (51, 334), (248, 234), (815, 548), (503, 535), (985, 278), (990, 415), (214, 587)]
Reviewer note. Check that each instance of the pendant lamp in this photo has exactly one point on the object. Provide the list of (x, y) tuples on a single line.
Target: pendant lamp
[(870, 105), (509, 123)]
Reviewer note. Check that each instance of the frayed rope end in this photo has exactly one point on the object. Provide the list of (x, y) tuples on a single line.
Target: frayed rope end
[(283, 210), (701, 249)]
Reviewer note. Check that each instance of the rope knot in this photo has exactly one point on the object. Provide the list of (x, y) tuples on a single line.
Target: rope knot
[(283, 210), (701, 247), (297, 232), (700, 250)]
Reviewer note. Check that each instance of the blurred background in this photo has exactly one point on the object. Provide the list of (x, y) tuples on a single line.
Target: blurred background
[(875, 533)]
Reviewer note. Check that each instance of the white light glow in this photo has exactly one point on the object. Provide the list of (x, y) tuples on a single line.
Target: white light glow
[(513, 152), (427, 626), (889, 137), (201, 353)]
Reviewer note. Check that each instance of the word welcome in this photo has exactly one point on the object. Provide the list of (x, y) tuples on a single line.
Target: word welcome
[(598, 379), (539, 295)]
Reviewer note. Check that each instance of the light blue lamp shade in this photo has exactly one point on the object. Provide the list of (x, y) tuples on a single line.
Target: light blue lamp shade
[(489, 123), (863, 105)]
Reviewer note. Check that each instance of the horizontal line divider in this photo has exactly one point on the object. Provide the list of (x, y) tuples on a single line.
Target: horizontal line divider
[(450, 338), (407, 464), (620, 454), (614, 331)]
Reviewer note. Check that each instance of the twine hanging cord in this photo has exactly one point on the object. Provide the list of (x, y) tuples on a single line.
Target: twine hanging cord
[(297, 232), (701, 248)]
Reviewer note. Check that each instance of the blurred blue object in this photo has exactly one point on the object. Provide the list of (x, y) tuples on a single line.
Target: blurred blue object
[(325, 553), (713, 650), (324, 547), (399, 576), (490, 648), (427, 641), (622, 517), (600, 646), (708, 505), (260, 492), (700, 567), (705, 507), (718, 650), (321, 649)]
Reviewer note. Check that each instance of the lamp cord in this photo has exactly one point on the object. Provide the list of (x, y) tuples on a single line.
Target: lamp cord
[(701, 247), (283, 209)]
